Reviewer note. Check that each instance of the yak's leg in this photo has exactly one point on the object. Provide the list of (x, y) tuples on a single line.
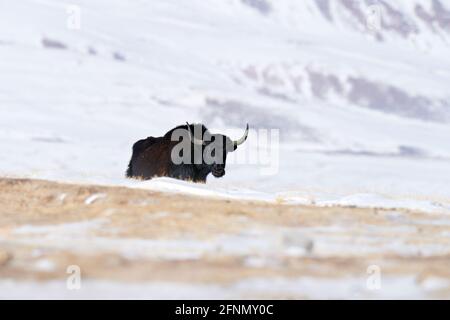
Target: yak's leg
[(182, 172)]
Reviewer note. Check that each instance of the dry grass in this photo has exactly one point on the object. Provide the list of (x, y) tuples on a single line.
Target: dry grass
[(140, 215)]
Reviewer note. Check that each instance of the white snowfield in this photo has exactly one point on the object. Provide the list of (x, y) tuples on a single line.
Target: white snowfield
[(359, 93), (362, 108)]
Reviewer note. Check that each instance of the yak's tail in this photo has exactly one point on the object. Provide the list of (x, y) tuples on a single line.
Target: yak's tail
[(138, 147)]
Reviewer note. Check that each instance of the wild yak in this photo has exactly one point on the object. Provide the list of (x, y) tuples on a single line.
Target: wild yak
[(187, 152)]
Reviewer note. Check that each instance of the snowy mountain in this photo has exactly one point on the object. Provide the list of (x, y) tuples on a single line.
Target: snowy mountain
[(358, 89)]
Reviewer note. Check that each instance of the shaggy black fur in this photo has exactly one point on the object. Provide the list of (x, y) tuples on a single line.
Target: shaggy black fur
[(152, 158)]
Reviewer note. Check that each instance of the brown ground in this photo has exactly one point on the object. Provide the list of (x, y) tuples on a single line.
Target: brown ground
[(298, 241)]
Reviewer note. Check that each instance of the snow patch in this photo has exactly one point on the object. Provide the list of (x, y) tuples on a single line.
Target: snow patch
[(92, 198)]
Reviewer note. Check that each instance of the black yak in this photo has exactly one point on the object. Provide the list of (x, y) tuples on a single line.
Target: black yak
[(187, 152)]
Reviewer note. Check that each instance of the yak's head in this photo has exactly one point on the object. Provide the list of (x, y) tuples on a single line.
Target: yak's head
[(214, 147)]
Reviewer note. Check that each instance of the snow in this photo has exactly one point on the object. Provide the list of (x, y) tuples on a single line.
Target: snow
[(377, 201), (44, 265), (363, 120), (355, 288), (70, 112), (259, 244), (92, 198)]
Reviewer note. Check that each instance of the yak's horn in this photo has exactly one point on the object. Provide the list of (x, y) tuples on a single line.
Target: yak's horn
[(192, 137), (243, 138)]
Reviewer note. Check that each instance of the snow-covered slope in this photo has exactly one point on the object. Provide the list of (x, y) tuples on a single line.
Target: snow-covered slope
[(362, 103)]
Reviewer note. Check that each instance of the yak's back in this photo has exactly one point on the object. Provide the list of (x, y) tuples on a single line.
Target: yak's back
[(152, 156), (143, 144)]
